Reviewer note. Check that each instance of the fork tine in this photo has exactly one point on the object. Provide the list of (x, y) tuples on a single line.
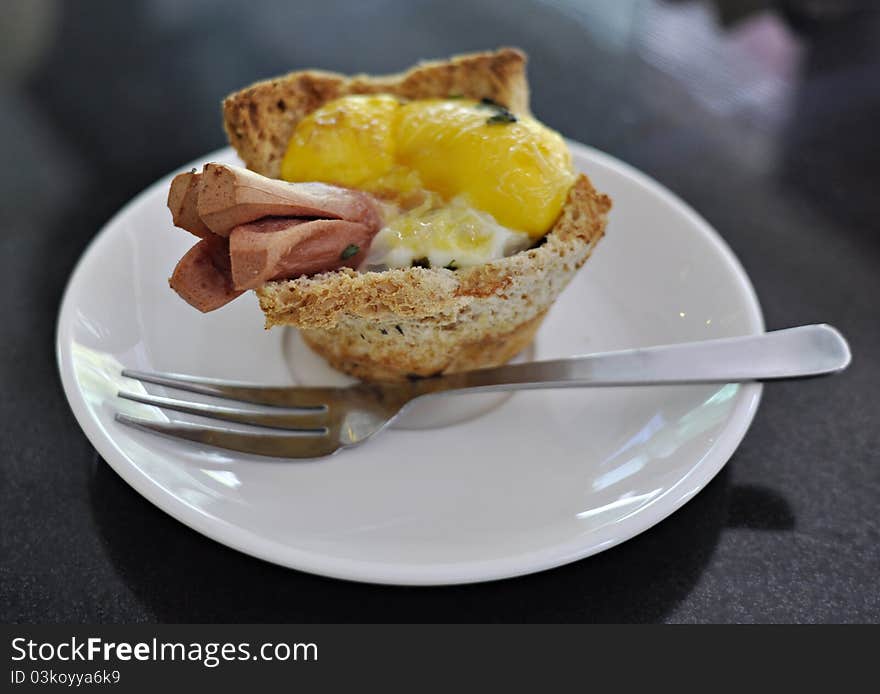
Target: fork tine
[(272, 445), (304, 398), (310, 421)]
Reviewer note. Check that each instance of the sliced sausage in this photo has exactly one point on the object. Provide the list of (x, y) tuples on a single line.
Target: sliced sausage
[(203, 277), (182, 201), (229, 196), (285, 248)]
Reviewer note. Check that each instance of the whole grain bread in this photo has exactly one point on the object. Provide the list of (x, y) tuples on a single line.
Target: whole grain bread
[(415, 321), (421, 322)]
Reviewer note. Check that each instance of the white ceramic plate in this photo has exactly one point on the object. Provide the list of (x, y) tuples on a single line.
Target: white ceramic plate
[(542, 479)]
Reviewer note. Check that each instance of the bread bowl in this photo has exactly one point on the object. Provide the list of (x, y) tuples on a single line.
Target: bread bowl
[(405, 322)]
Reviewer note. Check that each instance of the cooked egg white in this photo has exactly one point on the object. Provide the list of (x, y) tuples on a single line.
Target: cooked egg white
[(452, 235), (491, 183)]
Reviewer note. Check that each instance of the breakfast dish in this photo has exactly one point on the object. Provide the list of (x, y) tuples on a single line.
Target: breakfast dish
[(423, 223), (538, 480)]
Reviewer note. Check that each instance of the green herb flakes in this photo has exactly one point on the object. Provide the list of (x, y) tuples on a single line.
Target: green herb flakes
[(501, 118)]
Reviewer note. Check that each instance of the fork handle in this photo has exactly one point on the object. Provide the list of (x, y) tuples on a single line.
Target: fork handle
[(809, 350)]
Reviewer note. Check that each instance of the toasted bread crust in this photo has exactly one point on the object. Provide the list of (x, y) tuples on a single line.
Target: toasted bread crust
[(260, 119), (340, 349), (415, 322)]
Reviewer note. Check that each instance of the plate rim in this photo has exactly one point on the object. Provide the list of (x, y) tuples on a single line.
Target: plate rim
[(390, 573)]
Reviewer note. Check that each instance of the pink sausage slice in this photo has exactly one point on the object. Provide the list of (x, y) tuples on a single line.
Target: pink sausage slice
[(285, 248), (203, 277), (182, 201), (229, 196)]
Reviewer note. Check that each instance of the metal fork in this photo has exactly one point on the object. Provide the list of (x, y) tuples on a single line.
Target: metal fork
[(321, 421)]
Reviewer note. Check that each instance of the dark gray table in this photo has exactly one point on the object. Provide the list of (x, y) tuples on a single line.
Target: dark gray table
[(765, 120)]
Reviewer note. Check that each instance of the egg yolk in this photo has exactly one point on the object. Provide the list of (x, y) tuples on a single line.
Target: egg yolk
[(515, 169), (347, 142)]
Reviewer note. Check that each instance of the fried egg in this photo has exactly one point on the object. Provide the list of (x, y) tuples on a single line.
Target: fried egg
[(466, 181)]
